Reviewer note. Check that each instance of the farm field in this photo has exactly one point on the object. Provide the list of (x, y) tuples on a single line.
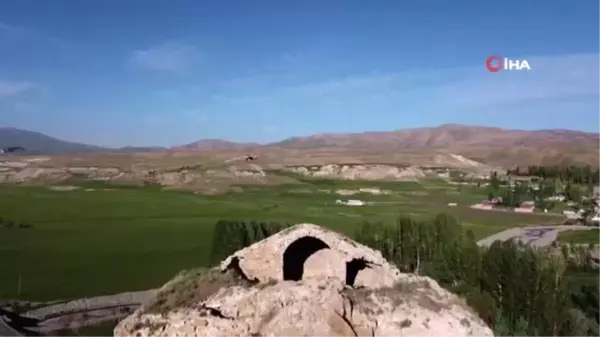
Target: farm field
[(102, 239), (581, 237)]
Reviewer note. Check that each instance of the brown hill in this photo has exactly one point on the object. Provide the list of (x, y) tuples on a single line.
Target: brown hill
[(487, 144), (216, 145), (490, 145)]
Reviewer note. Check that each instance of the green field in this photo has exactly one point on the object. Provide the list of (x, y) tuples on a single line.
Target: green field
[(591, 236), (101, 241)]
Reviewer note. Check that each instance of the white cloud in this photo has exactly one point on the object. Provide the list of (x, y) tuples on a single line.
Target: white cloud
[(12, 88), (169, 57), (21, 33), (553, 77), (550, 78)]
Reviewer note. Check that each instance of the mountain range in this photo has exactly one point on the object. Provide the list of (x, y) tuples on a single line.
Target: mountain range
[(39, 143), (486, 144)]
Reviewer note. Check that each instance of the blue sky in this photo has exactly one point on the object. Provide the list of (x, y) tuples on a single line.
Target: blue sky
[(149, 72)]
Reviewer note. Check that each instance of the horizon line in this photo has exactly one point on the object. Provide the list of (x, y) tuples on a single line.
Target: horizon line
[(305, 136)]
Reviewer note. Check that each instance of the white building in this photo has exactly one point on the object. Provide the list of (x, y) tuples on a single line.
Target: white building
[(524, 209), (596, 218), (350, 202), (572, 215)]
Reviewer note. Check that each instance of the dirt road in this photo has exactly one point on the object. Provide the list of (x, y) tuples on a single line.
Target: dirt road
[(73, 314), (538, 236)]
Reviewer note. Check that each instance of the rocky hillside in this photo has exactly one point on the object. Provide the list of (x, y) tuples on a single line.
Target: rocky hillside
[(36, 142), (494, 146), (217, 179), (211, 177), (304, 281), (39, 143), (488, 144), (447, 136), (360, 172), (216, 145)]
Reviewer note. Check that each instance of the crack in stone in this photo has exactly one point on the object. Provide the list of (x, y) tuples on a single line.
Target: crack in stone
[(204, 309)]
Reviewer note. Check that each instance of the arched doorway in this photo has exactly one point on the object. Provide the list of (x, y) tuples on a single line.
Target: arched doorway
[(296, 254)]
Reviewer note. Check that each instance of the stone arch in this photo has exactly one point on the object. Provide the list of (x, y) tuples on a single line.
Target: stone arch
[(296, 254)]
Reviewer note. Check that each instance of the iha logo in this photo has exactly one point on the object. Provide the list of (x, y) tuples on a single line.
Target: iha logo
[(496, 63)]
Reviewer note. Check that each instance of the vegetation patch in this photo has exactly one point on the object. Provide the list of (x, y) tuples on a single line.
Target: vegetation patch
[(591, 236), (190, 288), (10, 224), (94, 243)]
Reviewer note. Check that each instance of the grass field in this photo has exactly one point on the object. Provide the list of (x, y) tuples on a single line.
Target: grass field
[(591, 236), (97, 242)]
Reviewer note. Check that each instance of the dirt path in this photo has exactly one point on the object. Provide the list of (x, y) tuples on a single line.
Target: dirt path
[(70, 314), (511, 210)]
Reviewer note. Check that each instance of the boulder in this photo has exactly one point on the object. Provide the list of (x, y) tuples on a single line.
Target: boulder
[(303, 281)]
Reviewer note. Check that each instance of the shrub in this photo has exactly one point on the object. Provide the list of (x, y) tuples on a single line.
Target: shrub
[(231, 236)]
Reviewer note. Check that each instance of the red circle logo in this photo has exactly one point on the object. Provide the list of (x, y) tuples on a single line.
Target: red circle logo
[(494, 63)]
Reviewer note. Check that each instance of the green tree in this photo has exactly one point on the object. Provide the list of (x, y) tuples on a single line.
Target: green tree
[(547, 189), (514, 288), (573, 192), (495, 182)]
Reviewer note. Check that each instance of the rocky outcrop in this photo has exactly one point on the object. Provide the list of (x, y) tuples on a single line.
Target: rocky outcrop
[(184, 176), (360, 172), (303, 281)]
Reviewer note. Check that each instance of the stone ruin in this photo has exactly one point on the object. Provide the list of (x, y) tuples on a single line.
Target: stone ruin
[(310, 252), (304, 281)]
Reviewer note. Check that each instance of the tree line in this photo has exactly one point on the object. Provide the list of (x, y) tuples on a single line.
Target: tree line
[(517, 290), (514, 196), (232, 235), (585, 174)]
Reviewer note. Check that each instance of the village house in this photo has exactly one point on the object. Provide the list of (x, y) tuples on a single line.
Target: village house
[(595, 220), (596, 192), (559, 197), (572, 215), (526, 207), (350, 202), (514, 181), (571, 203)]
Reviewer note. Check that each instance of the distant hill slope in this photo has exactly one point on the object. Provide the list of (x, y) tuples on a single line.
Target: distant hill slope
[(491, 145), (216, 145), (446, 136), (35, 142), (39, 143), (488, 144)]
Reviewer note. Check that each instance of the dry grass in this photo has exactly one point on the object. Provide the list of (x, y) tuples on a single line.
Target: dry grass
[(267, 158), (190, 288)]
